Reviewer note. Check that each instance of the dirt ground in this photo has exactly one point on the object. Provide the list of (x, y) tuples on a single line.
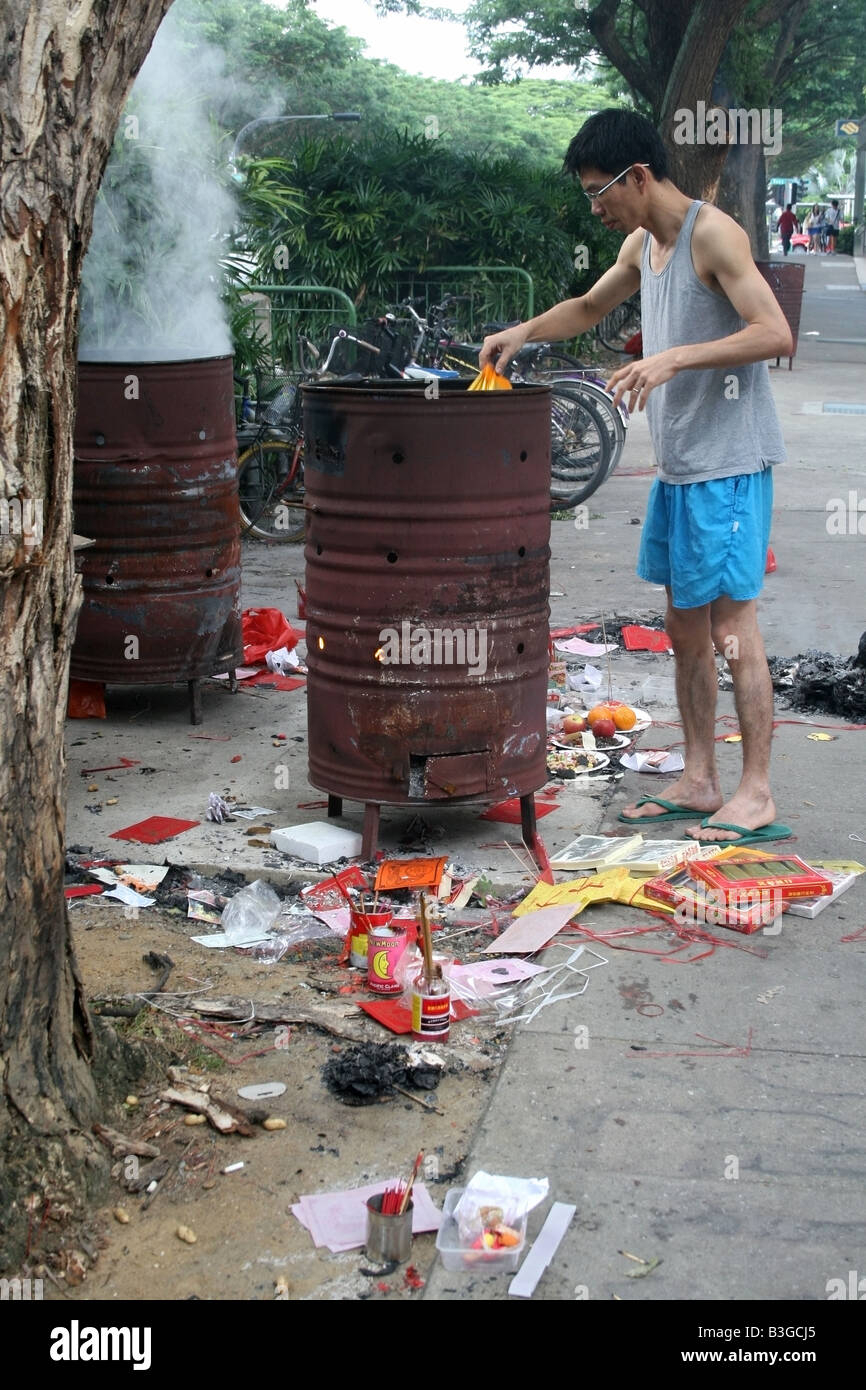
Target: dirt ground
[(246, 1236)]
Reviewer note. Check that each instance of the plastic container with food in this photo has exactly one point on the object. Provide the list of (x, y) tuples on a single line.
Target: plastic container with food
[(458, 1256)]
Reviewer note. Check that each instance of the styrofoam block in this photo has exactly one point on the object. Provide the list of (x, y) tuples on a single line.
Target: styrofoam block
[(317, 842)]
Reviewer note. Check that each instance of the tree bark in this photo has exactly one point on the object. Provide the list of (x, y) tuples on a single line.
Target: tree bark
[(743, 194), (66, 74), (685, 42)]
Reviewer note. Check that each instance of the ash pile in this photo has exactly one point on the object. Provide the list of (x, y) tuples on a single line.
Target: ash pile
[(823, 682)]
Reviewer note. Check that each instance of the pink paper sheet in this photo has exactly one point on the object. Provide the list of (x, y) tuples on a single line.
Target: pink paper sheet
[(339, 1219), (533, 930)]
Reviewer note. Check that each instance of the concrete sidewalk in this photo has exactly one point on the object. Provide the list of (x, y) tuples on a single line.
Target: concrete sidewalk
[(743, 1170)]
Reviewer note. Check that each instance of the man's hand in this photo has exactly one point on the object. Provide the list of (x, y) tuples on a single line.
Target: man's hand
[(499, 348), (638, 378)]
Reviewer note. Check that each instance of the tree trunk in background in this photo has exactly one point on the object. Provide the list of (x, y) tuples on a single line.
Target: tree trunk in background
[(743, 194), (686, 40), (66, 73)]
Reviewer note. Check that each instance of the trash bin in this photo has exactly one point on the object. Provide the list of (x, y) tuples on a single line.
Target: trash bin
[(785, 279)]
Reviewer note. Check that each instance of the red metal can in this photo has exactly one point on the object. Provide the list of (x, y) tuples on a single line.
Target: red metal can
[(385, 946), (362, 924)]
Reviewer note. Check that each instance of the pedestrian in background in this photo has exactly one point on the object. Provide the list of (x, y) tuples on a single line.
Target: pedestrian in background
[(832, 218), (788, 225), (815, 226)]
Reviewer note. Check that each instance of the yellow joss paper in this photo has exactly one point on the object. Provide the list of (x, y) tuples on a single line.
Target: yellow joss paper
[(488, 379), (551, 895), (591, 888)]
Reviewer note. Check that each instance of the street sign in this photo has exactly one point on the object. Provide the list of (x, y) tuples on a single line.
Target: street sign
[(855, 126)]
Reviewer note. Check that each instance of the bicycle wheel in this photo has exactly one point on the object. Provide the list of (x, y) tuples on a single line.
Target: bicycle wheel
[(616, 420), (270, 507), (553, 360), (580, 449), (615, 329)]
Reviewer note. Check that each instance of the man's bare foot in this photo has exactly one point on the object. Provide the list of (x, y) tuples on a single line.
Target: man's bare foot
[(691, 795), (752, 812)]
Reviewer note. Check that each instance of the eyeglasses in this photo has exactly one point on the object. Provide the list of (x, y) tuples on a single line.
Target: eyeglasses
[(593, 195)]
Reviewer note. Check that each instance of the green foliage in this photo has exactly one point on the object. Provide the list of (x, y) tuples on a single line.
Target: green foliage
[(353, 214), (290, 61), (845, 241)]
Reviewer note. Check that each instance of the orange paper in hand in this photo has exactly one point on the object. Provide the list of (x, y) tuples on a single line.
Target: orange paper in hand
[(488, 379)]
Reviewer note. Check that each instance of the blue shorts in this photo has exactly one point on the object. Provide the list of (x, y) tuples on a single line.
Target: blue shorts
[(707, 539)]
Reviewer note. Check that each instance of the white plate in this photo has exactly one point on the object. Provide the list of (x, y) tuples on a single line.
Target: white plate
[(617, 741), (599, 760)]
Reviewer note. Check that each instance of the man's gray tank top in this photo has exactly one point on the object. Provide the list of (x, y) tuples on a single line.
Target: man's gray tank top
[(708, 423)]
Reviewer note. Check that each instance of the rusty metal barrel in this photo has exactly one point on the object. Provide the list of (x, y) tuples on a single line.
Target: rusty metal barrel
[(427, 579), (155, 486)]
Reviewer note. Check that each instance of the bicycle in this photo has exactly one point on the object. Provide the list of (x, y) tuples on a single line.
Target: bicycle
[(622, 323), (270, 467), (271, 447)]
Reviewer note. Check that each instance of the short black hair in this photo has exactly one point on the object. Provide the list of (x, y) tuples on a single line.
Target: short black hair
[(787, 207), (611, 140)]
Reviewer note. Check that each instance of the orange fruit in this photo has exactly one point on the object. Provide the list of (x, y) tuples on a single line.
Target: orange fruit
[(599, 712), (624, 717)]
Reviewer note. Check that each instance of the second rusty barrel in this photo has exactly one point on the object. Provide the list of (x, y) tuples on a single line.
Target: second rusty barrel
[(155, 487), (427, 577)]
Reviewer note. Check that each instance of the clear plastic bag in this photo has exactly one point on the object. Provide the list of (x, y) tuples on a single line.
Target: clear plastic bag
[(254, 908)]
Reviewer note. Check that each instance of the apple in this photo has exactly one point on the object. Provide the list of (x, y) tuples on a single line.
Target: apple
[(574, 724), (604, 728)]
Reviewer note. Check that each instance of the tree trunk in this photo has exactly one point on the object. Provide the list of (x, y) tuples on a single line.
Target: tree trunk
[(743, 194), (67, 72), (685, 43)]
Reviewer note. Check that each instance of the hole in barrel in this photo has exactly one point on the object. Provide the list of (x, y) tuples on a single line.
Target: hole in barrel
[(523, 456), (392, 557), (318, 550), (398, 457), (520, 649), (521, 550)]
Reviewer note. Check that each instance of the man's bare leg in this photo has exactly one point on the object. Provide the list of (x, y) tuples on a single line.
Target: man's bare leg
[(697, 688), (735, 632)]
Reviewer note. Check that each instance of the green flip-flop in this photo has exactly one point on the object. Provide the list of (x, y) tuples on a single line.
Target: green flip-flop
[(763, 835), (673, 812)]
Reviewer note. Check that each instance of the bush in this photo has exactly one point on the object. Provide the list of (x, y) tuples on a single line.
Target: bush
[(845, 243), (356, 213)]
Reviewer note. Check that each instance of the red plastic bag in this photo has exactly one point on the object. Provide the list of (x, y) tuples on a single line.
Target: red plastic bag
[(266, 630), (86, 700), (634, 346)]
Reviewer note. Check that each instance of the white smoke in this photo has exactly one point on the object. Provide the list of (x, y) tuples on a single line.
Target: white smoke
[(151, 278)]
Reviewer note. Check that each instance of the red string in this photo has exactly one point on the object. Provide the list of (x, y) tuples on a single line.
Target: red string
[(734, 1050)]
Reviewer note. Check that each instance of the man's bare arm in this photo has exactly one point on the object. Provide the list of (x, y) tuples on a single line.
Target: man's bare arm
[(721, 249), (573, 316)]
